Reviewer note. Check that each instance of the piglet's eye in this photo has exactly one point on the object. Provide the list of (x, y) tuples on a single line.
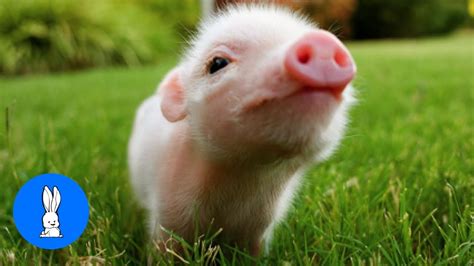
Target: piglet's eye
[(217, 64)]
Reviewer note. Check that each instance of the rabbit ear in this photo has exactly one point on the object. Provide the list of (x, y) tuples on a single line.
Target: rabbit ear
[(56, 199), (47, 197)]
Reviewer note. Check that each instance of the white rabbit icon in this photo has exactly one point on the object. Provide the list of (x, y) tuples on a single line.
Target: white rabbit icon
[(51, 203)]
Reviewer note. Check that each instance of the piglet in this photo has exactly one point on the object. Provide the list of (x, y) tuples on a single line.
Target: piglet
[(260, 95)]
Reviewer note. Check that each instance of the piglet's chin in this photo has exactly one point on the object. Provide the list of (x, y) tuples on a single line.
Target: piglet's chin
[(314, 103), (304, 104)]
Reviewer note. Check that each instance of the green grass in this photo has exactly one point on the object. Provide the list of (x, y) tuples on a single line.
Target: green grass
[(398, 191)]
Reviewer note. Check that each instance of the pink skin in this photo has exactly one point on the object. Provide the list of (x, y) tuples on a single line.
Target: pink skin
[(320, 61), (229, 148)]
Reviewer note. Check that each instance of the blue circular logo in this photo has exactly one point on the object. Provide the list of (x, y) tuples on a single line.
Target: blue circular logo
[(51, 211)]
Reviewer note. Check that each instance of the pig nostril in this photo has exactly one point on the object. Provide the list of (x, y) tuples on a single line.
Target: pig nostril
[(304, 54), (341, 58)]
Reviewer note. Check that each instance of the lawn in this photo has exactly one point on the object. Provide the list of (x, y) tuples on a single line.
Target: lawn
[(398, 191)]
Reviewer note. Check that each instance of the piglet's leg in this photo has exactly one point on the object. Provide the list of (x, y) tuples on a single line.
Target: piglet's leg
[(255, 248)]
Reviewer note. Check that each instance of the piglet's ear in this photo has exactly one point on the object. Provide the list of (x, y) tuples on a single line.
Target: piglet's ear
[(173, 105)]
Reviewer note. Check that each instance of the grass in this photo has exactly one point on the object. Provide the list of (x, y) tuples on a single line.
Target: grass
[(398, 191)]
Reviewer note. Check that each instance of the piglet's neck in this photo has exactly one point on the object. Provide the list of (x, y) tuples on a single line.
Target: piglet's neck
[(198, 163), (229, 195), (207, 169)]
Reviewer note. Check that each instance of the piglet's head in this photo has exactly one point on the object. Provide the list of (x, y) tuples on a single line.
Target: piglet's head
[(262, 83)]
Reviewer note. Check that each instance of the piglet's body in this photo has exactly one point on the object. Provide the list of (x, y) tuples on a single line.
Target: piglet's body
[(260, 95)]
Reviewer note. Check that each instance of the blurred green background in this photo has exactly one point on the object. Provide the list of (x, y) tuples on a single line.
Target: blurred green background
[(56, 35)]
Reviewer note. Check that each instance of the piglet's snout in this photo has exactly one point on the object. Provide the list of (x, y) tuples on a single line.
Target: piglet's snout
[(319, 60)]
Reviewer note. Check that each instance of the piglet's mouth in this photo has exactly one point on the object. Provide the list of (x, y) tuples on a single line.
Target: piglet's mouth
[(334, 92), (305, 95)]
